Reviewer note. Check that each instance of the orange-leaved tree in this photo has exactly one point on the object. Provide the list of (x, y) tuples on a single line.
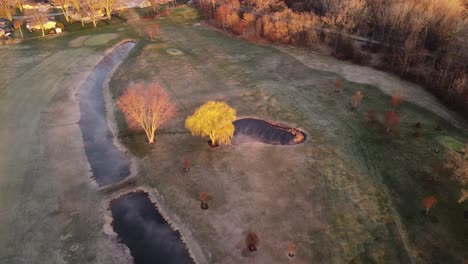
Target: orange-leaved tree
[(356, 99), (429, 202), (338, 84), (17, 26), (152, 30), (146, 106), (391, 120), (396, 100), (292, 249), (213, 119)]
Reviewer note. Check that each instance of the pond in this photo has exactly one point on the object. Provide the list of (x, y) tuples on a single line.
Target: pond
[(252, 129), (144, 231)]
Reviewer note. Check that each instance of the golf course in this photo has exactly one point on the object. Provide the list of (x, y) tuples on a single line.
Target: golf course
[(80, 185)]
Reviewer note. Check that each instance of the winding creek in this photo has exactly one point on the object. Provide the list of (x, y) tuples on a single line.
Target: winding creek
[(137, 222), (108, 164)]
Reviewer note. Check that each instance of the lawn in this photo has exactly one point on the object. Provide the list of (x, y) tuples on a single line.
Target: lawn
[(49, 207), (350, 193)]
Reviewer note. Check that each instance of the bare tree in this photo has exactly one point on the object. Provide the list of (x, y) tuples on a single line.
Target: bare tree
[(356, 100), (152, 30), (108, 6), (6, 9), (77, 5), (64, 6), (39, 17), (19, 4), (92, 8), (157, 3)]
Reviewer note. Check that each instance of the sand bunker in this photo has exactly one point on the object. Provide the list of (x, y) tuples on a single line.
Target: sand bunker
[(100, 39), (173, 51), (251, 129)]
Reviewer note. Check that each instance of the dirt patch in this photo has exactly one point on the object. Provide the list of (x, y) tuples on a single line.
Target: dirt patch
[(78, 42)]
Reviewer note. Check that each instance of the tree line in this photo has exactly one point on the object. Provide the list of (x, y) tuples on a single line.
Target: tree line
[(424, 41)]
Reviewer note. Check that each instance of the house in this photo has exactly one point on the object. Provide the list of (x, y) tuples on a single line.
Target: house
[(137, 3), (32, 26), (144, 4)]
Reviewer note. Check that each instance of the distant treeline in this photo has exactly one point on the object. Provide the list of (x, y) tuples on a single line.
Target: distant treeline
[(425, 41)]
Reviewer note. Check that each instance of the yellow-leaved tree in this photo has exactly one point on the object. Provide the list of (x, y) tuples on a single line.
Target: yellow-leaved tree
[(213, 119)]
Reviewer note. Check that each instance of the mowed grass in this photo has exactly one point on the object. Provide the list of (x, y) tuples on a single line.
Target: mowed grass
[(47, 204), (350, 193)]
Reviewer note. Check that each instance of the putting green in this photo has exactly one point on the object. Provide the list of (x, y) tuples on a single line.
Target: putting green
[(100, 39)]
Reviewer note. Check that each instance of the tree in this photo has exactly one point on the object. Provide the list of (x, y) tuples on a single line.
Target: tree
[(356, 99), (213, 119), (64, 6), (92, 8), (266, 6), (39, 17), (152, 30), (459, 166), (147, 106), (156, 3), (17, 26), (338, 84), (391, 120), (292, 249), (203, 199), (429, 202), (371, 116), (77, 6), (108, 6), (186, 162), (396, 100), (6, 9), (251, 241)]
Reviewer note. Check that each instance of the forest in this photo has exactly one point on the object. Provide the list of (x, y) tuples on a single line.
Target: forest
[(424, 41)]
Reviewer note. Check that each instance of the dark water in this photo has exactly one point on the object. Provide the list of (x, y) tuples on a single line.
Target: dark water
[(148, 236), (108, 163), (251, 129)]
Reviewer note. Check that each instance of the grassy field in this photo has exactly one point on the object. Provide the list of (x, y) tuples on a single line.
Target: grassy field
[(350, 193), (48, 203)]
